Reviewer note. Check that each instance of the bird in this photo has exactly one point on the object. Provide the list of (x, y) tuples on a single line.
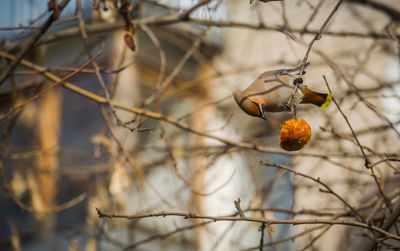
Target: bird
[(271, 92)]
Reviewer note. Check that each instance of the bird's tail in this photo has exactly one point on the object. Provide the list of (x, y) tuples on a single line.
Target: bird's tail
[(319, 99)]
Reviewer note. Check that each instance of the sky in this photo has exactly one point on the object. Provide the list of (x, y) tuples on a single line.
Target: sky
[(20, 12)]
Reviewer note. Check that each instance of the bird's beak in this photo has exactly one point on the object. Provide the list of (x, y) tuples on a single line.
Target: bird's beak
[(262, 115)]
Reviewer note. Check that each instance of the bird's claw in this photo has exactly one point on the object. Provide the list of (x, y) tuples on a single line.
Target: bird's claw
[(286, 107), (297, 81)]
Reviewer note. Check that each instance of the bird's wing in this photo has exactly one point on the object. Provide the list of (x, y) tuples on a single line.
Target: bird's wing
[(294, 71), (268, 84), (276, 73), (269, 74)]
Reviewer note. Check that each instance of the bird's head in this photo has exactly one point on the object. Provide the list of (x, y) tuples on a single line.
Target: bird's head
[(252, 105)]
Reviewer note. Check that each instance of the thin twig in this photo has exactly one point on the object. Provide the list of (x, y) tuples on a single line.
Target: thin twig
[(388, 223), (291, 102), (238, 208), (262, 229), (318, 36), (291, 238), (367, 162), (317, 180)]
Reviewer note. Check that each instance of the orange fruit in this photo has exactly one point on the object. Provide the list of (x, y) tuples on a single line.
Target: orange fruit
[(294, 134)]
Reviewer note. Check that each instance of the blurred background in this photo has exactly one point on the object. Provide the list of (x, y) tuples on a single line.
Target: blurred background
[(63, 154)]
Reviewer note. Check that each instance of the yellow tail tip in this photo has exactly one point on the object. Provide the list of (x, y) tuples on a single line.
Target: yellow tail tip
[(327, 101)]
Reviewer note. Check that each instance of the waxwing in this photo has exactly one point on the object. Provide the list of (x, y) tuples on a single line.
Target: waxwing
[(271, 91)]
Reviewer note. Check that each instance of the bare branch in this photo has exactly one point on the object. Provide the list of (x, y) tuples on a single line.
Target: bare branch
[(251, 219)]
